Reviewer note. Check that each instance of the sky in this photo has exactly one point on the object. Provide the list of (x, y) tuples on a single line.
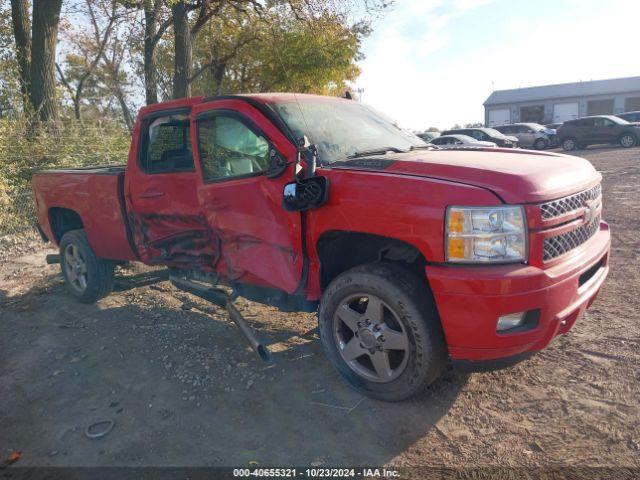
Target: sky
[(432, 63)]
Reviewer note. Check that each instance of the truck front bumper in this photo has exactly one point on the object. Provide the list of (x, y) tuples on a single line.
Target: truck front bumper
[(470, 299)]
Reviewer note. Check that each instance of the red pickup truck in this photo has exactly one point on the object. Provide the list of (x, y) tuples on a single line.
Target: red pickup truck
[(413, 256)]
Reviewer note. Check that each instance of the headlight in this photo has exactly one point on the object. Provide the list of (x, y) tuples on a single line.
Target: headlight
[(485, 234)]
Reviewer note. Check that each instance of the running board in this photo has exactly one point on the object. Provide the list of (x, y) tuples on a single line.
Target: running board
[(222, 299)]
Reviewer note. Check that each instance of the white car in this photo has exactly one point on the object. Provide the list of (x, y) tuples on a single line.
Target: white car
[(458, 140)]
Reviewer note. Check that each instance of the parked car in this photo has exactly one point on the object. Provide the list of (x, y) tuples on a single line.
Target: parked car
[(428, 136), (530, 135), (630, 116), (468, 256), (449, 141), (582, 132), (486, 135)]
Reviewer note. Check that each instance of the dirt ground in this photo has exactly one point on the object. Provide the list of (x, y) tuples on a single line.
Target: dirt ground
[(183, 389)]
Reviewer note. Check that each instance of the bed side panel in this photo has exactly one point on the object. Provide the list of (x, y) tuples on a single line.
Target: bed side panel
[(96, 199)]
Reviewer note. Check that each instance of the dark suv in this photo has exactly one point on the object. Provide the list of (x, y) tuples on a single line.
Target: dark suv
[(486, 135), (630, 116), (582, 132)]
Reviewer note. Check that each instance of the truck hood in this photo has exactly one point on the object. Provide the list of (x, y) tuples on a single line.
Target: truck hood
[(516, 176)]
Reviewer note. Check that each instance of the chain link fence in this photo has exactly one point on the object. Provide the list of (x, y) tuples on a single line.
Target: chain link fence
[(17, 213), (70, 144)]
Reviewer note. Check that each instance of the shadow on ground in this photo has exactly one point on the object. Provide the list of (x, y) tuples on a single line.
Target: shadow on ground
[(181, 385)]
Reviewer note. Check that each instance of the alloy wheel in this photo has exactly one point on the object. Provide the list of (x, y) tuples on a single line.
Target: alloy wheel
[(370, 338), (75, 268), (627, 141)]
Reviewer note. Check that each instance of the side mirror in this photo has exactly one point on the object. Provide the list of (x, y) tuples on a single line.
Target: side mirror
[(305, 194)]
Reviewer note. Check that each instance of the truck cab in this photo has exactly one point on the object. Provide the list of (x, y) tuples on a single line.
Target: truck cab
[(412, 256)]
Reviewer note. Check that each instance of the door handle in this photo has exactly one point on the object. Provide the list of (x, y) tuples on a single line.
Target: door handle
[(151, 194)]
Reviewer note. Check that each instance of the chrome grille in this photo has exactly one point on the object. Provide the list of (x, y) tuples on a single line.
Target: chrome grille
[(561, 244), (564, 205)]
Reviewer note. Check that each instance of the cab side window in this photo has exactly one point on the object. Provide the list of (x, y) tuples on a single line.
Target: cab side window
[(229, 148), (166, 145)]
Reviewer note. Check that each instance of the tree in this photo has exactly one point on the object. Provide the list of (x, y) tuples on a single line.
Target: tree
[(182, 50), (269, 49), (22, 34), (153, 31), (95, 70), (91, 49), (10, 97), (42, 89)]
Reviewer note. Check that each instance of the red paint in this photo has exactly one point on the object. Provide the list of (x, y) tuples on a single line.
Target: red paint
[(243, 233)]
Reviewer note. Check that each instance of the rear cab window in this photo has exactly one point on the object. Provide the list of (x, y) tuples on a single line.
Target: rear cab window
[(166, 145)]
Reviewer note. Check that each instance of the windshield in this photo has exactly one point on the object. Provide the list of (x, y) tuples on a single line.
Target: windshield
[(618, 120), (494, 133), (340, 129)]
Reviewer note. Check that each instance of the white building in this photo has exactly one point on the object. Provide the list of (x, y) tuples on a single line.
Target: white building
[(558, 103)]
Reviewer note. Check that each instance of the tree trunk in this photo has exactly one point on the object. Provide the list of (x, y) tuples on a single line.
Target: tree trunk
[(126, 113), (218, 72), (151, 10), (22, 36), (183, 53), (46, 17)]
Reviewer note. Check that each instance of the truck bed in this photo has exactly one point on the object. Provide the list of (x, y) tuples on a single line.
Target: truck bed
[(96, 195)]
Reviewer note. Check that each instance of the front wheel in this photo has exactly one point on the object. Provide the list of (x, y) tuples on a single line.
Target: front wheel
[(88, 277), (380, 329), (627, 140), (569, 144), (540, 144)]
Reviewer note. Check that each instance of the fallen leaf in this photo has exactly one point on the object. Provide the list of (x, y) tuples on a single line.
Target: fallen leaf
[(13, 457)]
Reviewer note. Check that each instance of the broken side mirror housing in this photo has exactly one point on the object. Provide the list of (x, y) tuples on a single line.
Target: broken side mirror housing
[(305, 194)]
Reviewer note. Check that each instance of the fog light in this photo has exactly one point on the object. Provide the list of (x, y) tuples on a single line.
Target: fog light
[(512, 320)]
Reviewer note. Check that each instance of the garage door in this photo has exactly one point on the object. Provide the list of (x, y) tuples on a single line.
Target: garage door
[(501, 116), (565, 111), (600, 107)]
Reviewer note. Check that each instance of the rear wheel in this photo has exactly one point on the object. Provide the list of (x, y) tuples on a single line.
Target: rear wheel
[(569, 144), (88, 277), (627, 140), (380, 329)]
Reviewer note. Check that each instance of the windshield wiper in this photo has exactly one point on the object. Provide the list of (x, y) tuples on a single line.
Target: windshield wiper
[(376, 151), (428, 146)]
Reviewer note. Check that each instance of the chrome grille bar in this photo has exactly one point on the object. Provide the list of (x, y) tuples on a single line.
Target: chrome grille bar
[(561, 244), (571, 203)]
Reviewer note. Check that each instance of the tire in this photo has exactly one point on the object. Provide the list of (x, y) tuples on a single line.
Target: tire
[(627, 140), (409, 321), (569, 144), (88, 278), (540, 144)]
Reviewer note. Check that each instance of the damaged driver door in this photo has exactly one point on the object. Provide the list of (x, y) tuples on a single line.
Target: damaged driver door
[(260, 243)]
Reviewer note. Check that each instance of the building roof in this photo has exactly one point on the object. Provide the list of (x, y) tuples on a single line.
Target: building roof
[(564, 90)]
